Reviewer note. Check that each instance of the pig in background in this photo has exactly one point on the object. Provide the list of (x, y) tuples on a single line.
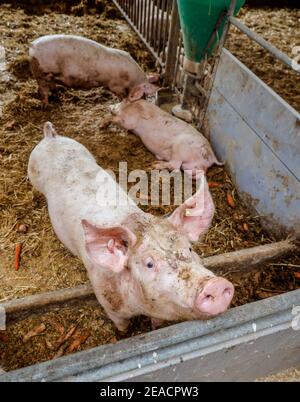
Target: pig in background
[(138, 264), (175, 143), (78, 62)]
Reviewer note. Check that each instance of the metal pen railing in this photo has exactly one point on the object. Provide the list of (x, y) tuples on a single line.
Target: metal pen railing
[(156, 22)]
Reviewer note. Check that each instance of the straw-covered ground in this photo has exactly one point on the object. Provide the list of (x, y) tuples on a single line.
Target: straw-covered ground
[(45, 263)]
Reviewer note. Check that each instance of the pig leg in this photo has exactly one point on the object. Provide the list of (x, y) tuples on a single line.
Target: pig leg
[(120, 322), (156, 323), (44, 89), (42, 80), (171, 165), (52, 85)]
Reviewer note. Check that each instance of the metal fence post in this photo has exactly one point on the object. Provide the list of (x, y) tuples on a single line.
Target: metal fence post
[(172, 45), (217, 59)]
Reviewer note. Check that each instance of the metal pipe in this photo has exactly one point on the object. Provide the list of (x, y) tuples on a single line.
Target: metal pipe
[(149, 24), (130, 22), (168, 8), (160, 21), (215, 32), (218, 56), (172, 44), (278, 54)]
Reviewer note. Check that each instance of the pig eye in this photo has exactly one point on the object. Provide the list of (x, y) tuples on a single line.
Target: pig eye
[(150, 263), (190, 248)]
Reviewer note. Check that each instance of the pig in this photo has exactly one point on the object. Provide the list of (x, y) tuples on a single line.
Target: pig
[(138, 264), (78, 62), (175, 143)]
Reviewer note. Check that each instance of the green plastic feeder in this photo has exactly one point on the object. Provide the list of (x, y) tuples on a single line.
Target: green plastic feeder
[(198, 19)]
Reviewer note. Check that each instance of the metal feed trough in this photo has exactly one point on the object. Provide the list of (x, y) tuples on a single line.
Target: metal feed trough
[(258, 135)]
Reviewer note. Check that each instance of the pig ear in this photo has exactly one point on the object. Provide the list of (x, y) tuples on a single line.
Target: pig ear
[(49, 130), (150, 89), (137, 93), (140, 90), (152, 78), (194, 216), (108, 247)]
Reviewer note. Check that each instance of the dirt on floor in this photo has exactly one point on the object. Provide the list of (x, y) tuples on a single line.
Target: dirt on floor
[(45, 263)]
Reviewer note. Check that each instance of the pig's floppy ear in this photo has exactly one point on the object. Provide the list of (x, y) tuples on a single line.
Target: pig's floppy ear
[(152, 78), (194, 216), (140, 90), (137, 93), (150, 89), (108, 247)]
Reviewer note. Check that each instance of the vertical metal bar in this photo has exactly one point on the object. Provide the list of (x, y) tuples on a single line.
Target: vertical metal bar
[(152, 23), (175, 82), (215, 32), (149, 23), (217, 60), (127, 7), (144, 19), (140, 16), (134, 7), (162, 22), (159, 22), (131, 9), (167, 28), (172, 44), (138, 6)]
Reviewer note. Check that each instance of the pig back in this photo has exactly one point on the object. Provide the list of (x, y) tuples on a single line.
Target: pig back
[(78, 61), (76, 188)]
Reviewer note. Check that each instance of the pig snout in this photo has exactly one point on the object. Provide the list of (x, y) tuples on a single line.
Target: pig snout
[(215, 297)]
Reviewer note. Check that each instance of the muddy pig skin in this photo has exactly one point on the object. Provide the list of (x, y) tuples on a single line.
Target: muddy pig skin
[(79, 62), (137, 263), (175, 143)]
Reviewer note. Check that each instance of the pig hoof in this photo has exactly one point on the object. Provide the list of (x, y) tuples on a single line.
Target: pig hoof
[(121, 323), (182, 114), (156, 323)]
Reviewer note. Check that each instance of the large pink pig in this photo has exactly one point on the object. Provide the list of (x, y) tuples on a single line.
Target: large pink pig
[(175, 143), (79, 62), (137, 263)]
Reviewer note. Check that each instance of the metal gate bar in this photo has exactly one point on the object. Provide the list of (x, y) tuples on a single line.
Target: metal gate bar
[(278, 54), (156, 22)]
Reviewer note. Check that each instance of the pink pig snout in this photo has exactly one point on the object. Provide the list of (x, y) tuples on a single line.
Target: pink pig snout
[(215, 297)]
